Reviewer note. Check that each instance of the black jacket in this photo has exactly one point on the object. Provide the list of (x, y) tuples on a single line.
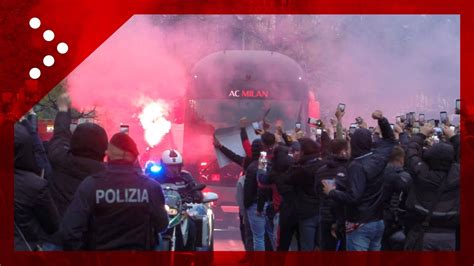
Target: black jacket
[(396, 185), (301, 175), (118, 209), (335, 168), (69, 170), (364, 195), (39, 150), (184, 179), (35, 214), (429, 169), (280, 176), (456, 142)]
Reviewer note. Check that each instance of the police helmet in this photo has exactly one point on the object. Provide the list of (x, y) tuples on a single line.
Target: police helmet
[(171, 157)]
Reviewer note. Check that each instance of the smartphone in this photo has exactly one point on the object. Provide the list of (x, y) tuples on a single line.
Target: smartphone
[(421, 118), (438, 130), (342, 107), (298, 125), (436, 122), (256, 125), (443, 117), (352, 128), (359, 120), (392, 126), (453, 128), (313, 121), (125, 129), (431, 122), (411, 118), (319, 132), (372, 129), (398, 119), (403, 118), (415, 130), (458, 106)]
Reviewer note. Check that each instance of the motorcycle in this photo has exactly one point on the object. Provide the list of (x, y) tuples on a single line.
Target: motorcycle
[(183, 213)]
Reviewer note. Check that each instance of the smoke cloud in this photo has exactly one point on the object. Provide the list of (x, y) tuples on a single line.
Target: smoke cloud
[(393, 63)]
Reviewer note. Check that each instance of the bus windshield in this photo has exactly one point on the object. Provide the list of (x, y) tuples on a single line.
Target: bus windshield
[(226, 113)]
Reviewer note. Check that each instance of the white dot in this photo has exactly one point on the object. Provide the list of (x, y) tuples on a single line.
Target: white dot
[(48, 35), (62, 48), (35, 23), (35, 73), (48, 60)]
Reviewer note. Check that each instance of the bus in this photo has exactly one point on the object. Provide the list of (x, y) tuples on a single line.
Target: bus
[(228, 85)]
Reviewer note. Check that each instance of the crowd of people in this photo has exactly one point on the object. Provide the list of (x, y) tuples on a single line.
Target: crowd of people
[(392, 187), (67, 198)]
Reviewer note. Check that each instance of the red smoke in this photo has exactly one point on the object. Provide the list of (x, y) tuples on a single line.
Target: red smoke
[(131, 67)]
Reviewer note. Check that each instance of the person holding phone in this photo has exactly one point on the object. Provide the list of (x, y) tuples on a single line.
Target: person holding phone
[(364, 195), (433, 201), (332, 228)]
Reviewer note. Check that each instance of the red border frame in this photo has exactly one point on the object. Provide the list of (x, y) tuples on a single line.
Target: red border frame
[(85, 24)]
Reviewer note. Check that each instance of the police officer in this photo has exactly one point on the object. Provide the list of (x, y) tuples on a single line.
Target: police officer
[(117, 209), (172, 163)]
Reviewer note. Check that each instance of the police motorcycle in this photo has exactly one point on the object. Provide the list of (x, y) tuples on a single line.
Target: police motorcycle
[(180, 209)]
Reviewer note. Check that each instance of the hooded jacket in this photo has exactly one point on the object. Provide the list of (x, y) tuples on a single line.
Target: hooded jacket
[(431, 168), (364, 195), (35, 214), (73, 157), (301, 176), (396, 185), (335, 168)]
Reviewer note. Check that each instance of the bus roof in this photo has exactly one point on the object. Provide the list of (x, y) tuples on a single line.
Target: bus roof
[(222, 73), (262, 65)]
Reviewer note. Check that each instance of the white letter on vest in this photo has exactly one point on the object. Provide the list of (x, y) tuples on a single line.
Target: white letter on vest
[(109, 196), (145, 196), (99, 194)]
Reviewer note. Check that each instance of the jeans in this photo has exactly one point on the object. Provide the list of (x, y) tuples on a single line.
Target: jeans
[(248, 233), (259, 225), (276, 231), (368, 237), (308, 229)]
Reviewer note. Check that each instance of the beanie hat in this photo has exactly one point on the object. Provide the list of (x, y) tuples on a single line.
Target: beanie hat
[(89, 140), (124, 142)]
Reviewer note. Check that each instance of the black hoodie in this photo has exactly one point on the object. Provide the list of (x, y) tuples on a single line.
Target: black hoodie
[(429, 169), (73, 157), (364, 195), (35, 214), (251, 189)]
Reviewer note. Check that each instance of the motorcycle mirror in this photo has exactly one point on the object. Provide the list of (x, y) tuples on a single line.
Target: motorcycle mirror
[(209, 197)]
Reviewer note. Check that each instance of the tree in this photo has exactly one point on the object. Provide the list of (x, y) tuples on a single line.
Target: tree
[(47, 107)]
